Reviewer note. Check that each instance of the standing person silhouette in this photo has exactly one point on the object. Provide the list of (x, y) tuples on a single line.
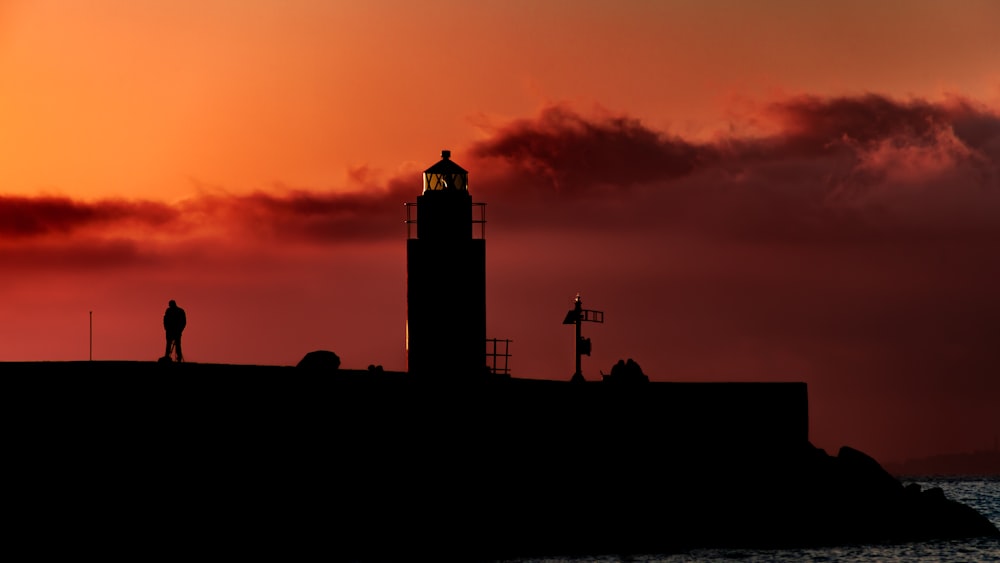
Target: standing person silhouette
[(174, 321)]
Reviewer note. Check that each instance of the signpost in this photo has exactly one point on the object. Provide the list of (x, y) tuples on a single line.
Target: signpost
[(576, 316)]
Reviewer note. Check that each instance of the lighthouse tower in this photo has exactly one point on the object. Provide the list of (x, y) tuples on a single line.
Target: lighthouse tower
[(446, 277)]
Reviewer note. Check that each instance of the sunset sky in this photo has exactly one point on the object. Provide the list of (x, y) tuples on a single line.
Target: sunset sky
[(749, 190)]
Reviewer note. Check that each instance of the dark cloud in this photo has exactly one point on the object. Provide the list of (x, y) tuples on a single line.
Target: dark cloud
[(814, 125), (849, 168), (27, 217), (51, 234), (577, 154), (282, 215)]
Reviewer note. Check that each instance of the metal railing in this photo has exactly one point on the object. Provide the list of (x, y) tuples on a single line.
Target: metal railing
[(495, 354), (477, 221)]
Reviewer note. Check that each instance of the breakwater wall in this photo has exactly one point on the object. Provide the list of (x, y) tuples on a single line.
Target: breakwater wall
[(383, 466)]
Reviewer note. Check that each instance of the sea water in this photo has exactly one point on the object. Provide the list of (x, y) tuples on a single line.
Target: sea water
[(982, 494)]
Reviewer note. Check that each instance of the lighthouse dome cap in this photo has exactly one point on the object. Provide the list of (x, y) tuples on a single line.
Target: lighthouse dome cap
[(446, 166)]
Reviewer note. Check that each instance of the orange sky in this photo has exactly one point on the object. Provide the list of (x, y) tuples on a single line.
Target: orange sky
[(750, 190)]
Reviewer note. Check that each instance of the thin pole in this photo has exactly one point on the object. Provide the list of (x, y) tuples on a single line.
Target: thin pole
[(91, 336), (579, 313)]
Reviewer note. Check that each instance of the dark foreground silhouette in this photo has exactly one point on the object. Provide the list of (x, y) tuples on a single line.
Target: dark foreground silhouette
[(137, 458)]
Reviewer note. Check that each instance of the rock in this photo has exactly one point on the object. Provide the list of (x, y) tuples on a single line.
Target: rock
[(320, 361), (864, 474)]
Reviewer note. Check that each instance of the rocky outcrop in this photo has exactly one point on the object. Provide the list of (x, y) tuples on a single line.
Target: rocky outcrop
[(319, 361), (850, 499)]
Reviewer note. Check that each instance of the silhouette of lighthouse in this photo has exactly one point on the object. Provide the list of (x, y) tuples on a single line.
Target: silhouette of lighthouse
[(446, 276)]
